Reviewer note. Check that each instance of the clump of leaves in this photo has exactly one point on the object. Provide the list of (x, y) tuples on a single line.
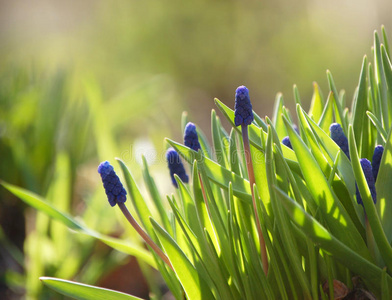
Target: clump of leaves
[(309, 200)]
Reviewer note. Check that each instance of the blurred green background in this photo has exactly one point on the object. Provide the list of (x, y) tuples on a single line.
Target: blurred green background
[(86, 81)]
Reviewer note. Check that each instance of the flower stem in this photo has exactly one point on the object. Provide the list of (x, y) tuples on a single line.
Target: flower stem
[(251, 175), (144, 235)]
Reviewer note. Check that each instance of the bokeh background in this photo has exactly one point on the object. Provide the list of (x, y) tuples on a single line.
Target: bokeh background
[(86, 81)]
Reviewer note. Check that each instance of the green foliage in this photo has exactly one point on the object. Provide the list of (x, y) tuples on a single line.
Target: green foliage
[(315, 232)]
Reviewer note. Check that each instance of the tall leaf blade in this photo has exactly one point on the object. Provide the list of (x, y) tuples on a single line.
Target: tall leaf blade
[(82, 291), (330, 207), (194, 286)]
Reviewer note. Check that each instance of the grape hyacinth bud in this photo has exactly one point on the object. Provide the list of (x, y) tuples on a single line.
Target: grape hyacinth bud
[(368, 172), (112, 184), (376, 160), (337, 135), (286, 142), (191, 139), (175, 166), (243, 108)]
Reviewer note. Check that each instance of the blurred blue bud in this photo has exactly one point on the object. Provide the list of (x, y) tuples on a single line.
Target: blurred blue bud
[(286, 142), (191, 138), (243, 114), (376, 160), (339, 138), (113, 187), (368, 172), (175, 166)]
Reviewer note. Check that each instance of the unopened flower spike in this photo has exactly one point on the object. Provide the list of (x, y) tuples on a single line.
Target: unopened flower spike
[(112, 184), (175, 166), (368, 172), (243, 114), (191, 138), (376, 160), (337, 135), (286, 142), (117, 195)]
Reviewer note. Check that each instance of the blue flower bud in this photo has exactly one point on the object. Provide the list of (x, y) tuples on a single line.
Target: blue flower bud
[(286, 142), (339, 138), (376, 160), (243, 114), (113, 187), (175, 166), (368, 172), (191, 139)]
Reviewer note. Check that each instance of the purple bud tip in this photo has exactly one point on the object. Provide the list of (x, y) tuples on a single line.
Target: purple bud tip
[(175, 166), (368, 172), (191, 138), (337, 135), (376, 160), (286, 142), (113, 187), (243, 114)]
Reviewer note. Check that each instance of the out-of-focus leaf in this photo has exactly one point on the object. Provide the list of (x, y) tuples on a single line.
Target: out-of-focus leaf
[(41, 205), (82, 291)]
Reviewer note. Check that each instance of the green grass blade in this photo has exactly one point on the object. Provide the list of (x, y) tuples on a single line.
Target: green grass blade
[(360, 101), (380, 81), (278, 121), (156, 197), (384, 189), (137, 199), (194, 286), (324, 239), (330, 207), (215, 172), (378, 125), (327, 116), (82, 291), (387, 67), (41, 205), (385, 40), (317, 104), (374, 220), (220, 151)]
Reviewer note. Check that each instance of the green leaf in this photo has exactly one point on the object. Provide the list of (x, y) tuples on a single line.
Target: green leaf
[(283, 225), (219, 146), (360, 103), (40, 204), (277, 119), (194, 286), (82, 291), (384, 189), (330, 207), (324, 239), (370, 208), (137, 199), (327, 116), (217, 173), (156, 197), (378, 125), (381, 81), (317, 104), (387, 67)]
